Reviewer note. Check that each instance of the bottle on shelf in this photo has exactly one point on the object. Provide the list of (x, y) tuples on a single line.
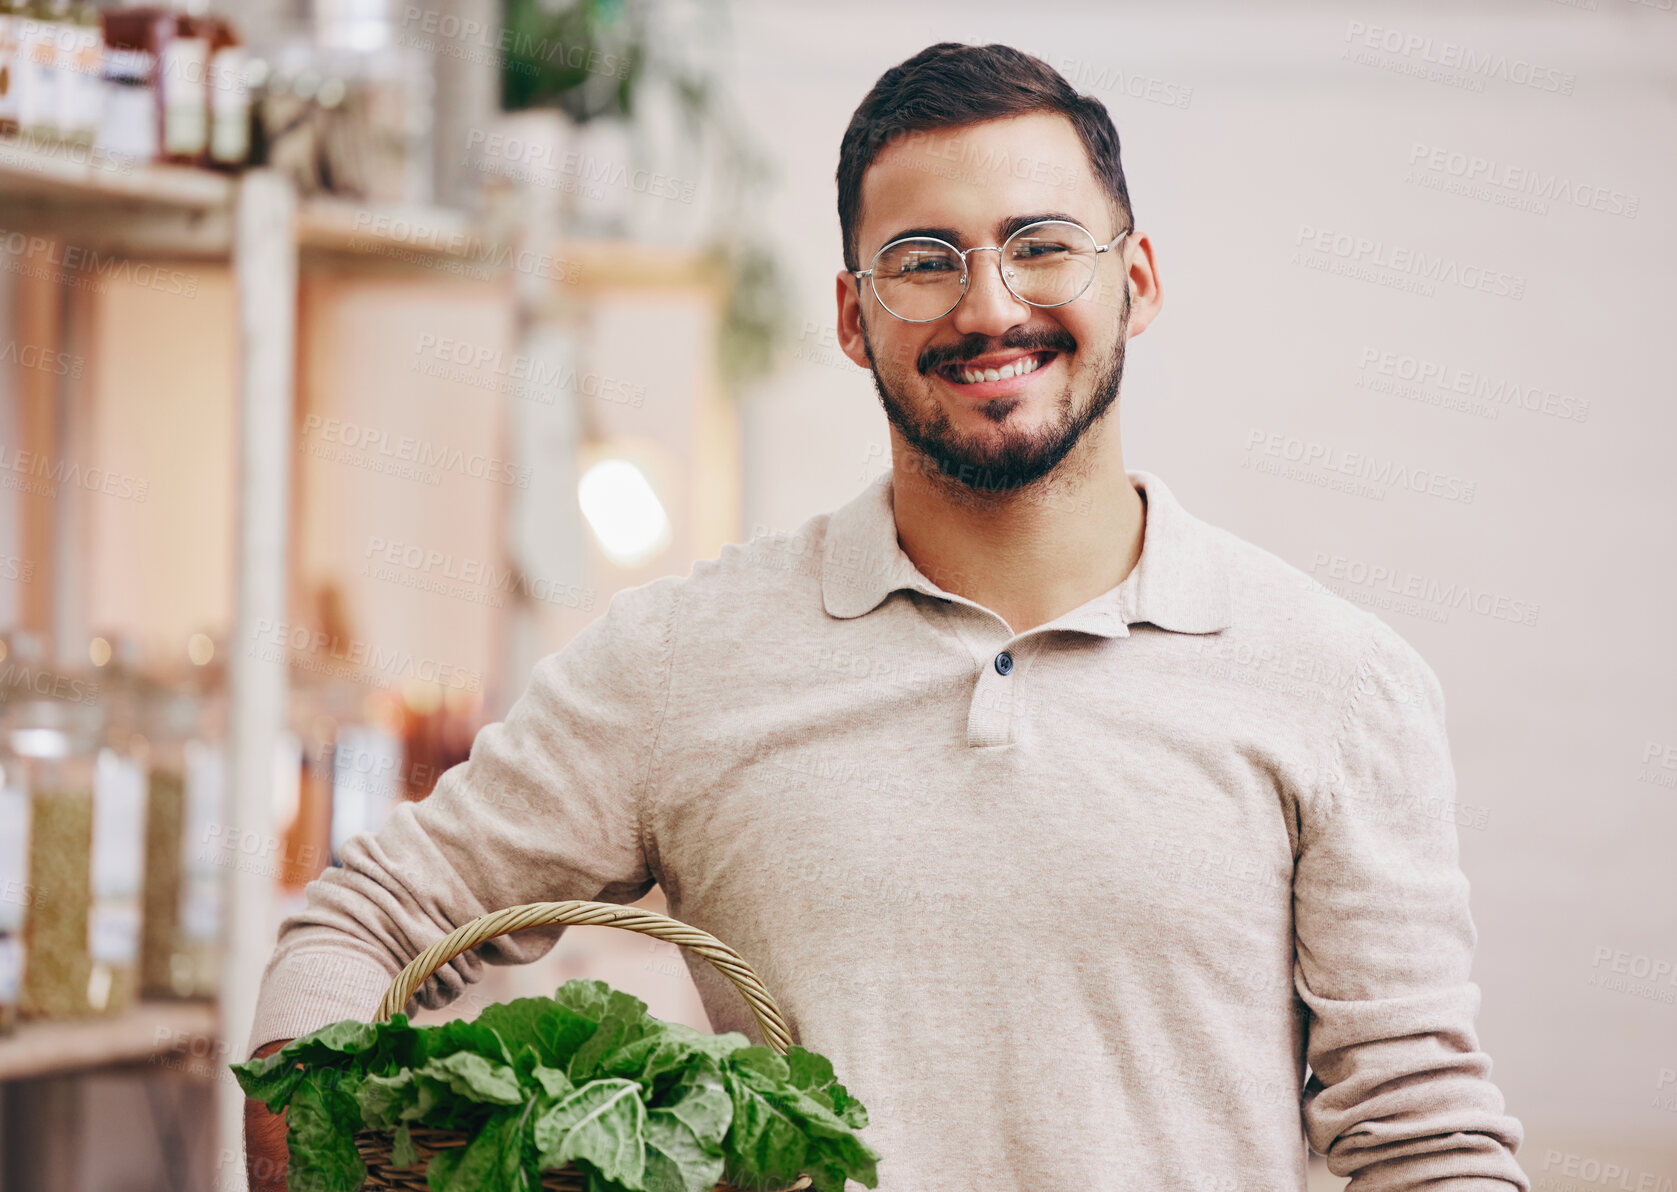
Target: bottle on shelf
[(81, 50), (186, 780), (184, 67), (129, 124), (40, 28), (229, 99), (117, 871), (11, 12), (316, 705), (119, 807), (175, 45)]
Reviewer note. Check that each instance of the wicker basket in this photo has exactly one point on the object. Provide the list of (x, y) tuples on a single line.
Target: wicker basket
[(375, 1146)]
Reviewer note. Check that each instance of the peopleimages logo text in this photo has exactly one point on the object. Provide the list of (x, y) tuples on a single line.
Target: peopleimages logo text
[(1377, 254), (1475, 169), (1453, 55), (422, 453), (1308, 453), (274, 641)]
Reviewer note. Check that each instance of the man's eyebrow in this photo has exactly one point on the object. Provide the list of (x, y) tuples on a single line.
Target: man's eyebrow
[(1003, 230)]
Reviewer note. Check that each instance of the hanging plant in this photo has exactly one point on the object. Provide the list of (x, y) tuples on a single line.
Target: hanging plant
[(590, 59), (585, 58)]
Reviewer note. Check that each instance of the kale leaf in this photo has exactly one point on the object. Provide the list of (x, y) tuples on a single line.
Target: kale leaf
[(586, 1077)]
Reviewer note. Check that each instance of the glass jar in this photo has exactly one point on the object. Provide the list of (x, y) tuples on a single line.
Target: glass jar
[(56, 744), (182, 899), (15, 891), (116, 873), (117, 867)]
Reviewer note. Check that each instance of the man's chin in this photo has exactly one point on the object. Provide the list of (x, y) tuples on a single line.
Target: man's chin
[(982, 470)]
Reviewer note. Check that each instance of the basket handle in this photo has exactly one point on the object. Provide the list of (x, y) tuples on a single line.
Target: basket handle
[(594, 914)]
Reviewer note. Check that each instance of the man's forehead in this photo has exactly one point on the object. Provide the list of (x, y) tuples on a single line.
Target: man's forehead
[(980, 180)]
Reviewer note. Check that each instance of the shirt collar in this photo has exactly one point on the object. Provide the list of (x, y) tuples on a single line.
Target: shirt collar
[(1180, 583)]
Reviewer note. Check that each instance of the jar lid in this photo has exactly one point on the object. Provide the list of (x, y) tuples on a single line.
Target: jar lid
[(52, 728)]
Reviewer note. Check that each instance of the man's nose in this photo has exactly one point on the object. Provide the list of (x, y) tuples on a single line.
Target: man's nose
[(988, 307)]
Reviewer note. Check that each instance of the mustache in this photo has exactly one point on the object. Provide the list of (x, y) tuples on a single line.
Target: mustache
[(1056, 339)]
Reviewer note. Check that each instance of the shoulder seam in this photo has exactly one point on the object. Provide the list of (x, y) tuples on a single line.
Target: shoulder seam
[(1336, 768)]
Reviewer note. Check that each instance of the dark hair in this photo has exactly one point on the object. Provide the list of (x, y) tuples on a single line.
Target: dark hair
[(951, 84)]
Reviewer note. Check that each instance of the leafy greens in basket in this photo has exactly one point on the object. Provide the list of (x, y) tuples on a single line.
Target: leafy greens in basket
[(584, 1077)]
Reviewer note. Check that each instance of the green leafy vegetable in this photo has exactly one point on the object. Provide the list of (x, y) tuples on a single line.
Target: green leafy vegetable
[(585, 1077), (603, 1122), (684, 1139), (470, 1076), (323, 1157)]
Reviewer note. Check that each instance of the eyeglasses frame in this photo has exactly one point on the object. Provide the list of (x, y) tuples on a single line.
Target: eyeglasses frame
[(966, 273)]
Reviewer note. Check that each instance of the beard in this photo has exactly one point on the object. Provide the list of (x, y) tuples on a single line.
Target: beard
[(972, 466)]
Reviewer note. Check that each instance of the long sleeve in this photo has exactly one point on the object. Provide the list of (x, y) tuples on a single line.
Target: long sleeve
[(546, 807), (1400, 1098)]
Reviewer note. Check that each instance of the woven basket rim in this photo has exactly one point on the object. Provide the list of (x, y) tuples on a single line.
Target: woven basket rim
[(777, 1035)]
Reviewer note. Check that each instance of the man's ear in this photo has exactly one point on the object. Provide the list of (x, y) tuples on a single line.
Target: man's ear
[(1146, 292), (849, 319)]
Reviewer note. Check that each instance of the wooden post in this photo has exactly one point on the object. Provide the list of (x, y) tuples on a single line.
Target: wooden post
[(265, 266), (468, 95)]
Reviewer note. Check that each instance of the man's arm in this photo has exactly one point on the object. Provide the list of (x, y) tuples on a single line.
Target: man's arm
[(266, 1159), (547, 807), (1400, 1095)]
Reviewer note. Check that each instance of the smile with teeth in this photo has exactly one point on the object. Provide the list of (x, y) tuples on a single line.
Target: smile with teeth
[(1016, 368)]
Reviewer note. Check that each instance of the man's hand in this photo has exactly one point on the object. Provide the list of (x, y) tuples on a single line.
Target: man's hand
[(265, 1153)]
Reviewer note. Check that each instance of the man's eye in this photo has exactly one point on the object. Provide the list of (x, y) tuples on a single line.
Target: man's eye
[(926, 265)]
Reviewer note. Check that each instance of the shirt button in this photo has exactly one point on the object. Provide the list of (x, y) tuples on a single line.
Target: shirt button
[(1004, 662)]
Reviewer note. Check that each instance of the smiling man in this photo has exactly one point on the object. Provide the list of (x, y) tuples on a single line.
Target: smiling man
[(1071, 827), (993, 314)]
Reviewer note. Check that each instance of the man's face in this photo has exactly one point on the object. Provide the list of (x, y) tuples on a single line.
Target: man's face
[(971, 186)]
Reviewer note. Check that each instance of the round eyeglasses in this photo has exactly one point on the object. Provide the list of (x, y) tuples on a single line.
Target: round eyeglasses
[(919, 279)]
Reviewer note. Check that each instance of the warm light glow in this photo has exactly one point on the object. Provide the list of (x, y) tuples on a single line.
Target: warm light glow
[(99, 651), (626, 516), (383, 709), (40, 742), (200, 649), (422, 697)]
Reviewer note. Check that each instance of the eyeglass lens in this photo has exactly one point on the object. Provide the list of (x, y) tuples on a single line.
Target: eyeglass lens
[(1044, 264)]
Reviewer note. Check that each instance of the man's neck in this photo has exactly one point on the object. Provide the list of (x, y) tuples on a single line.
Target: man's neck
[(1031, 557)]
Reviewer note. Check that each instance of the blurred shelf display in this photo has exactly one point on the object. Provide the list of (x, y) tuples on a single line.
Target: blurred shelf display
[(109, 792), (229, 811), (76, 960), (297, 178), (180, 210), (144, 1030), (119, 88)]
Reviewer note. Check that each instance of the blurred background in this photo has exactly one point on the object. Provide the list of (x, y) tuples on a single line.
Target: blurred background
[(354, 353)]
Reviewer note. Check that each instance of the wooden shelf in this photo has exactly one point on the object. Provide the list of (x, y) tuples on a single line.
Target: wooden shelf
[(148, 1029), (123, 208), (338, 225), (112, 206), (29, 167)]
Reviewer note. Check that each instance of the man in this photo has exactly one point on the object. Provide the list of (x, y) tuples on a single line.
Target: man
[(1068, 826)]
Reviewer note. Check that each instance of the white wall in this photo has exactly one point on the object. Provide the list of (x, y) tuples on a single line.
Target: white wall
[(1549, 722)]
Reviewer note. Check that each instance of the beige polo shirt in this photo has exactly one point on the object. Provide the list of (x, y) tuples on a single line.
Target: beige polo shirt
[(1069, 908)]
